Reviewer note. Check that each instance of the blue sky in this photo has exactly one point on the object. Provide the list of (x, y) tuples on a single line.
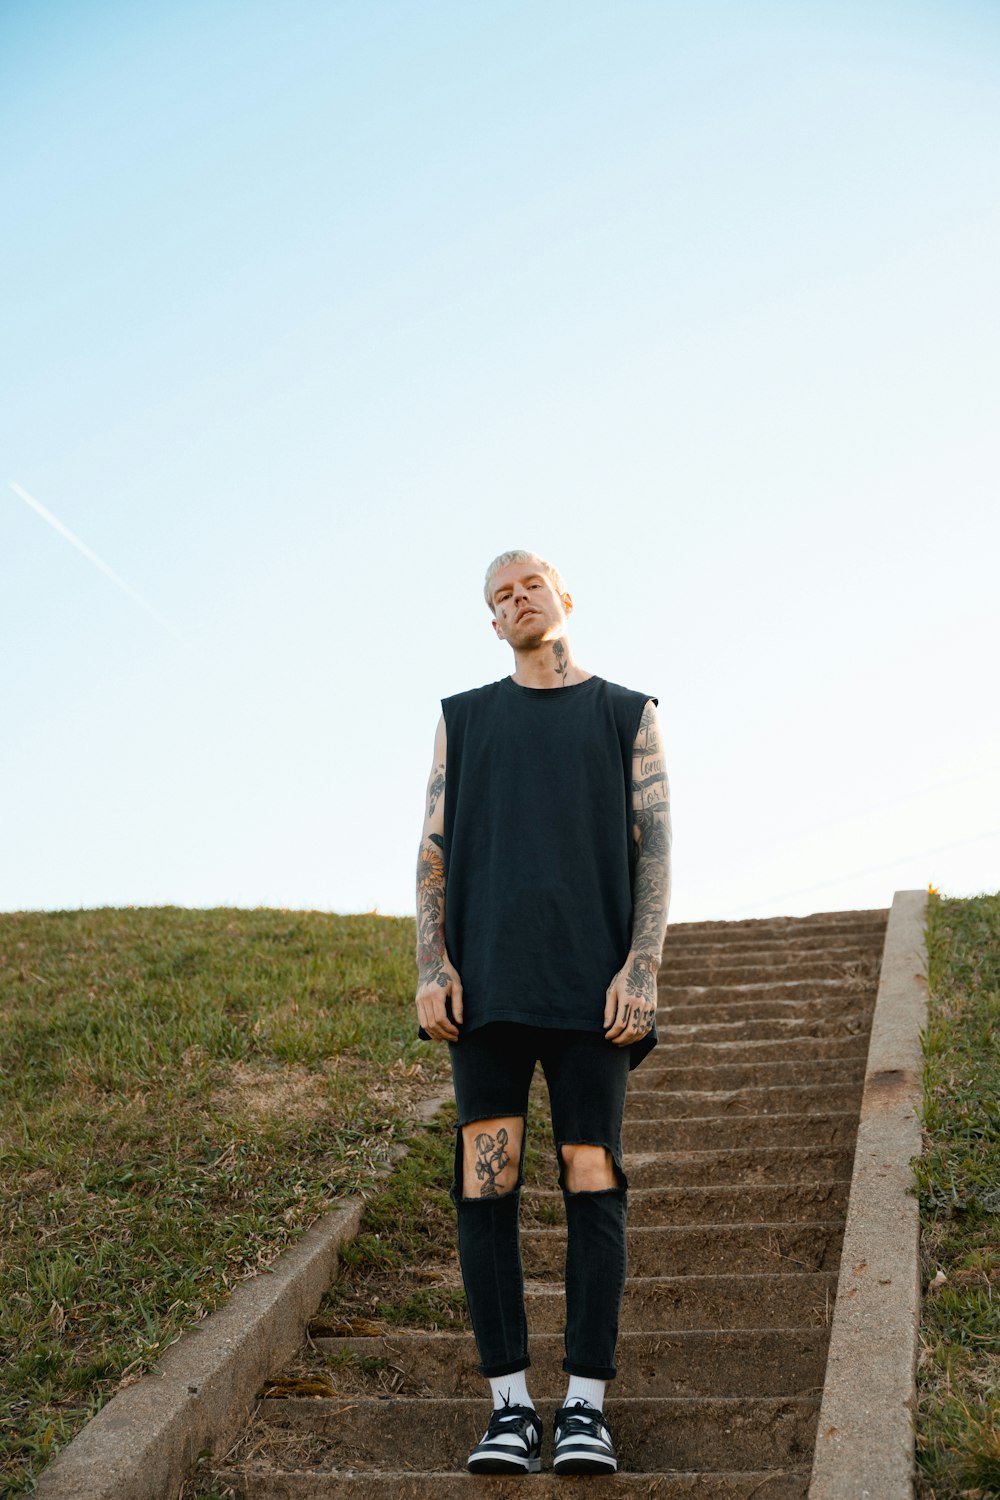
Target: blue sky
[(312, 309)]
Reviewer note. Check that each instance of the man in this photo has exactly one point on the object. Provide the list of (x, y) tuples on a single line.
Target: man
[(542, 894)]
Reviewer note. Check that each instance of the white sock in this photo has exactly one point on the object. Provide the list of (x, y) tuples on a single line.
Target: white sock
[(510, 1390), (589, 1391)]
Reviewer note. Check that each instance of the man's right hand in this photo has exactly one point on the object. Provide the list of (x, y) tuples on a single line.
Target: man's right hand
[(433, 992)]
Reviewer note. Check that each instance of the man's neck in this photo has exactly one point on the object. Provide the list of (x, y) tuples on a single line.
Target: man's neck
[(549, 665)]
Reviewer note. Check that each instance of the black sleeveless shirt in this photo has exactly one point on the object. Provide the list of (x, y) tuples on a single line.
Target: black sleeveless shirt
[(538, 850)]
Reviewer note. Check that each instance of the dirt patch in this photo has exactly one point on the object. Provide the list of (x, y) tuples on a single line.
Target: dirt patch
[(295, 1092), (291, 1092)]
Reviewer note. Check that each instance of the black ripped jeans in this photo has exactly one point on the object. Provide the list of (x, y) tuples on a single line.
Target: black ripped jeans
[(492, 1069)]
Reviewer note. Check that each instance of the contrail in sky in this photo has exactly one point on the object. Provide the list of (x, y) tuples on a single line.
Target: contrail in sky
[(47, 515)]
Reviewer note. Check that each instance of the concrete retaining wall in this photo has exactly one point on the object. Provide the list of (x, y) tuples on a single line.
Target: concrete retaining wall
[(865, 1443)]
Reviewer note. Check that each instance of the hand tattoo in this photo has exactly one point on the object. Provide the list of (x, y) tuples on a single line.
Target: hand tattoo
[(640, 981)]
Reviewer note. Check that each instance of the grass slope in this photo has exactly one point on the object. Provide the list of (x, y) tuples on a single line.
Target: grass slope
[(958, 1419), (181, 1094)]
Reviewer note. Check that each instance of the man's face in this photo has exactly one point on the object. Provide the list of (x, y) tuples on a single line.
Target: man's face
[(527, 609)]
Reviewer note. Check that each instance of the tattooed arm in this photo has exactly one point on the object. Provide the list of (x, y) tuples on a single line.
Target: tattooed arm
[(437, 978), (631, 999)]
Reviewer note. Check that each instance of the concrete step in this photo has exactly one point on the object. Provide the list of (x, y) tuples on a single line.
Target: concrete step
[(835, 1023), (825, 922), (685, 1104), (862, 947), (702, 1249), (765, 971), (760, 947), (719, 991), (760, 1008), (727, 1132), (677, 1051), (741, 946), (786, 1202), (732, 1130), (706, 1024), (651, 1433), (789, 947), (777, 1073), (259, 1481), (738, 1165), (723, 1362), (655, 1304)]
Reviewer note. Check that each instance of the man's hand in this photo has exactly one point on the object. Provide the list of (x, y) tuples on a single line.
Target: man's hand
[(433, 992), (630, 1007)]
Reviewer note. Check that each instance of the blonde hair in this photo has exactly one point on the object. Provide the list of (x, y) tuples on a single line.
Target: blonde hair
[(520, 555)]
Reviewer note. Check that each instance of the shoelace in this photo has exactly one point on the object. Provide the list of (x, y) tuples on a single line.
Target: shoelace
[(581, 1420), (510, 1418)]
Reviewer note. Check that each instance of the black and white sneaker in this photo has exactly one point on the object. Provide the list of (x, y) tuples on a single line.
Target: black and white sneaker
[(584, 1444), (512, 1443)]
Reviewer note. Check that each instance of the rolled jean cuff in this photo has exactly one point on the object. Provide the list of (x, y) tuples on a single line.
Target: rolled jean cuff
[(494, 1372), (590, 1372)]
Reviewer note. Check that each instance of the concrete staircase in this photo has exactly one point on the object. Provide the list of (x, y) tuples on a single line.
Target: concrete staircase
[(739, 1140)]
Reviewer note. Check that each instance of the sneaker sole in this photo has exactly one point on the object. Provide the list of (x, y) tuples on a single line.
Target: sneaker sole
[(492, 1464), (585, 1463)]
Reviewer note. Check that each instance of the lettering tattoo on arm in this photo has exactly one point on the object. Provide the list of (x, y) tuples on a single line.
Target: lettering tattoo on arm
[(652, 834)]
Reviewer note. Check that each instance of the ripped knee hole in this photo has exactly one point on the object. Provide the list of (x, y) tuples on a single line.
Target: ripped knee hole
[(493, 1153), (590, 1168)]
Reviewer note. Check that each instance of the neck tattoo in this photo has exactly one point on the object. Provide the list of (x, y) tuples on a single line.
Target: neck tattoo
[(562, 665)]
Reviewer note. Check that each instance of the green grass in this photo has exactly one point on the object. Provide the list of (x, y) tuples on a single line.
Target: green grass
[(958, 1419), (181, 1094)]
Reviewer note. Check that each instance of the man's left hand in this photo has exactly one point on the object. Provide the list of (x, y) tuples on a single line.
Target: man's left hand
[(630, 1006)]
